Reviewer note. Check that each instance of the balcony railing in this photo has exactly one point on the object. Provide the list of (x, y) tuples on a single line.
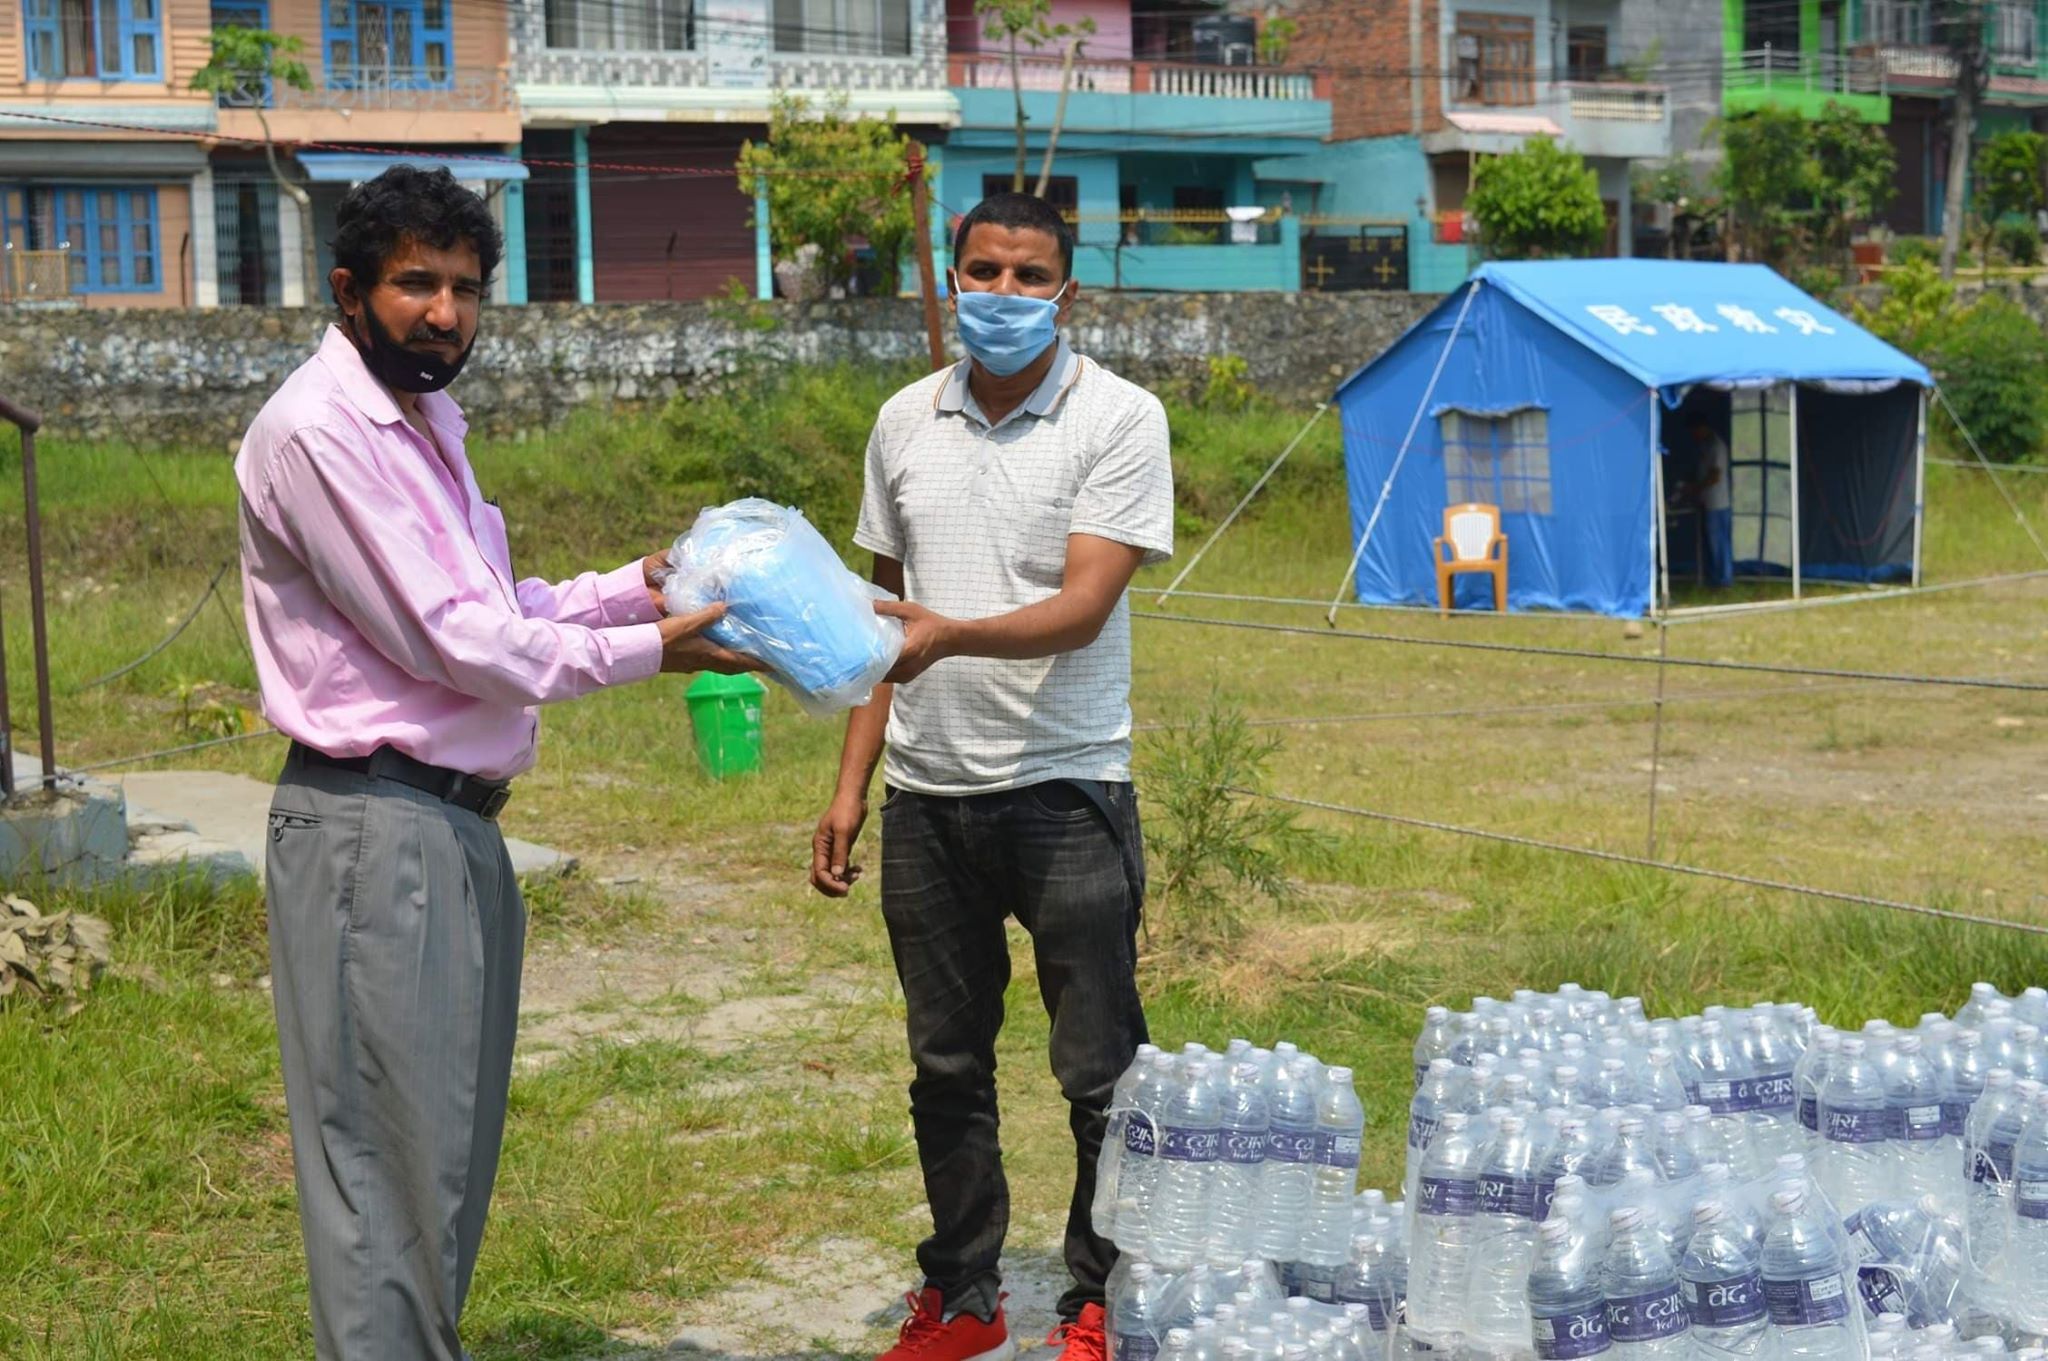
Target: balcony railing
[(991, 71), (35, 275), (1603, 102), (385, 88), (1780, 68)]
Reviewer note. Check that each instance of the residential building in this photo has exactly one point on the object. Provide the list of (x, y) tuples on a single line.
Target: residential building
[(635, 111), (1168, 127), (1424, 89), (100, 166)]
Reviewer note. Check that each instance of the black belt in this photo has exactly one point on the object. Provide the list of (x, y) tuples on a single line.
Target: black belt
[(485, 798)]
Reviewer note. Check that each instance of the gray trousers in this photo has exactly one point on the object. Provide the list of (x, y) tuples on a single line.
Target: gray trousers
[(396, 939)]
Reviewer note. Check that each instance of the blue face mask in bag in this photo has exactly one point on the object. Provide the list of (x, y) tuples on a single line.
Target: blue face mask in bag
[(1006, 331)]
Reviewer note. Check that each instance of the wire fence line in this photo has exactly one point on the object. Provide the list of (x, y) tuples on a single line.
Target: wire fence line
[(1645, 862), (144, 758), (1580, 654)]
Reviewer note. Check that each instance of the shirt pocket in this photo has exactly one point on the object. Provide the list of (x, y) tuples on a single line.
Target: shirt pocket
[(1037, 525)]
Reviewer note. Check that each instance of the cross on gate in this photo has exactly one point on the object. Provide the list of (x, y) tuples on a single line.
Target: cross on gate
[(1386, 271), (1322, 270)]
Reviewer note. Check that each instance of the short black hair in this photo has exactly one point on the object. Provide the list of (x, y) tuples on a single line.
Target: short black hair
[(426, 206), (1018, 212)]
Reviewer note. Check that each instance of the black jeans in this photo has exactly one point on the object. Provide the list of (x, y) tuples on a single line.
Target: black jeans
[(1070, 871)]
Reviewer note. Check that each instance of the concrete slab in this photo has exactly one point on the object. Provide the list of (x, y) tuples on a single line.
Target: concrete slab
[(77, 838), (223, 821)]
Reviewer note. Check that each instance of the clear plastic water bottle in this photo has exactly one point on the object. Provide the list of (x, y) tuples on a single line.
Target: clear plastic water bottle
[(1959, 1068), (1773, 1100), (1440, 1238), (1567, 1306), (1972, 1012), (1722, 1271), (1134, 1323), (1245, 1123), (1109, 1164), (1913, 1104), (1570, 1152), (1434, 1095), (1190, 1136), (1138, 1176), (1179, 1345), (2027, 1249), (1434, 1042), (1804, 1285), (1724, 1077), (1369, 1278), (1659, 1085), (2030, 1055), (1340, 1133), (1646, 1318), (1807, 1079), (1678, 1168), (1286, 1182), (1632, 1149), (1990, 1142), (1908, 1258), (1724, 1139), (1855, 1122), (1503, 1238)]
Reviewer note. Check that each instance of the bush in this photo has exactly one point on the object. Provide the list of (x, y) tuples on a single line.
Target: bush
[(1908, 249), (1989, 365), (1540, 201), (1917, 310), (2018, 242)]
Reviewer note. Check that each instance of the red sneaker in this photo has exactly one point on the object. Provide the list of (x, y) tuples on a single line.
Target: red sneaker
[(1083, 1339), (930, 1336)]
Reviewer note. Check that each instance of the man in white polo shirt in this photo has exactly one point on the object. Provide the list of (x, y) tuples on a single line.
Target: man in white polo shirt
[(1009, 501)]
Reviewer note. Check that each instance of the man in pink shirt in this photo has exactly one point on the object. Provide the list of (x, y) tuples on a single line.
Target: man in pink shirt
[(406, 663)]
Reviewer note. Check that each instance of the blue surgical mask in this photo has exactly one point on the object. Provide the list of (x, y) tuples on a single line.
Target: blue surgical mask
[(1006, 331)]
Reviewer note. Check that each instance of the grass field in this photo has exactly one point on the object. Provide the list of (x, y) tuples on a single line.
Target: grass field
[(708, 1121)]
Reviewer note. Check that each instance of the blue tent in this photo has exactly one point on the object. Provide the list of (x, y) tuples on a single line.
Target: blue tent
[(1554, 390)]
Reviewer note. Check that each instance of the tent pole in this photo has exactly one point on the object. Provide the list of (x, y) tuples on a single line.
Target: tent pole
[(1387, 487), (1795, 488), (1173, 587), (1660, 527), (1919, 484)]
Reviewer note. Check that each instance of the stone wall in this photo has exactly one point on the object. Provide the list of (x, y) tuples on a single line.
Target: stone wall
[(185, 377)]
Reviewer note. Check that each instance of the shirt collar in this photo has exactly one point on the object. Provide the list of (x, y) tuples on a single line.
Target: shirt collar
[(371, 397), (1044, 399)]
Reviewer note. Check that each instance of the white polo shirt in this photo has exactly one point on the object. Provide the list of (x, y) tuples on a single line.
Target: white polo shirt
[(979, 516)]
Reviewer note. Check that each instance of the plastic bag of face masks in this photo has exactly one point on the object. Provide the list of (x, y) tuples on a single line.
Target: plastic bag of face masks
[(791, 604)]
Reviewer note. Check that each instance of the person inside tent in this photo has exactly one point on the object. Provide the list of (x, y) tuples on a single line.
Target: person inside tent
[(1709, 491)]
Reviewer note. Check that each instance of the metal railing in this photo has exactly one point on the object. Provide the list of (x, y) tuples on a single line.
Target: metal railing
[(1042, 74), (28, 276), (385, 88), (1784, 68), (1186, 227), (1603, 102), (28, 422)]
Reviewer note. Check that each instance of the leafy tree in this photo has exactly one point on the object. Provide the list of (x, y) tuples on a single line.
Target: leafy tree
[(1541, 200), (1276, 38), (1851, 167), (2008, 182), (1917, 311), (1763, 178), (1029, 22), (830, 179), (247, 63)]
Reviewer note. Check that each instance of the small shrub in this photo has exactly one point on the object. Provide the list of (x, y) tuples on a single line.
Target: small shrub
[(1229, 387), (2018, 242), (1917, 310), (1909, 249), (1989, 366)]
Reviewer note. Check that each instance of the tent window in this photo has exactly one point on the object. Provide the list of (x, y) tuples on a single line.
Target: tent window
[(1760, 474), (1501, 460)]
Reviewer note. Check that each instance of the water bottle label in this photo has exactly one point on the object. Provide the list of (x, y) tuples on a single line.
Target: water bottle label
[(1244, 1147), (1991, 1165), (1719, 1097), (1743, 1096), (1774, 1092), (1189, 1145), (1136, 1347), (1421, 1129), (1809, 1113), (1337, 1150), (1726, 1304), (1291, 1146), (1954, 1116), (1507, 1196), (1861, 1248), (1319, 1287), (1921, 1123), (1855, 1127), (1421, 1072), (2032, 1200), (1797, 1303), (1882, 1292), (1446, 1196), (1649, 1317), (1139, 1139), (1569, 1337), (1546, 1191)]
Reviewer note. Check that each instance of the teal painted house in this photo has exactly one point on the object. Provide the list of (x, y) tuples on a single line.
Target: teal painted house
[(1160, 154)]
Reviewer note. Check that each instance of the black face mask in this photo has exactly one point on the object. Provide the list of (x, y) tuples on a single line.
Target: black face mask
[(403, 369)]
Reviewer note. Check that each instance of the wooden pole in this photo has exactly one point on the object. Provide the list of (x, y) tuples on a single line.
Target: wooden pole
[(927, 274)]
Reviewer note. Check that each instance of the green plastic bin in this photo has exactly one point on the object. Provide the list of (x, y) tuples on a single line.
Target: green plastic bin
[(725, 718)]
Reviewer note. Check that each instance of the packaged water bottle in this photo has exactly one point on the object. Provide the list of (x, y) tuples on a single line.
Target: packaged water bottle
[(1234, 1197), (1773, 1099), (1286, 1181), (1723, 1139), (1464, 1037), (1122, 1097), (1972, 1012), (1631, 1150), (1724, 1082), (1134, 1334), (1503, 1239), (1570, 1152), (1962, 1072), (1434, 1042), (1207, 1344), (1804, 1285), (1193, 1294), (1722, 1271), (1497, 1037), (1646, 1318), (1440, 1239), (1369, 1277), (2028, 1246), (1913, 1105), (1990, 1142), (1807, 1078), (1567, 1306), (1908, 1259), (1437, 1094), (1179, 1345), (1340, 1131), (1660, 1086), (1678, 1168), (1611, 1087), (1138, 1175), (1854, 1169)]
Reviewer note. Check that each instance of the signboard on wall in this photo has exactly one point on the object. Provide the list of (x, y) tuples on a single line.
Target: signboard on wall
[(735, 36), (1367, 259)]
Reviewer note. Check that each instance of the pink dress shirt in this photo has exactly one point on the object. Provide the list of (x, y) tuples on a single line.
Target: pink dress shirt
[(379, 591)]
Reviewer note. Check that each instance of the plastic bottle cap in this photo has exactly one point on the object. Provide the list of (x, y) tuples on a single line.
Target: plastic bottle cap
[(1908, 1043), (1998, 1077), (1555, 1230), (1852, 1045), (1141, 1270), (1626, 1218), (1178, 1337), (1631, 1124), (1790, 1201), (1708, 1212), (1441, 1065), (1510, 1124), (1338, 1075)]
